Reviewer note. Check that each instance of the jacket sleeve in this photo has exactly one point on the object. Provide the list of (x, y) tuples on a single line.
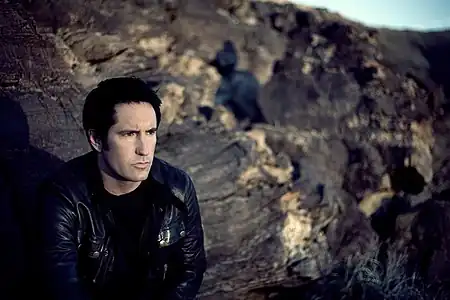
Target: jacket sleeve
[(194, 256), (58, 248)]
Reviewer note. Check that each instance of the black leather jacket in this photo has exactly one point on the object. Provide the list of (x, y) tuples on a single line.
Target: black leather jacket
[(77, 257)]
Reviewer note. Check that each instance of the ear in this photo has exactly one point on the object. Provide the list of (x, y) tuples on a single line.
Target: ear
[(94, 140)]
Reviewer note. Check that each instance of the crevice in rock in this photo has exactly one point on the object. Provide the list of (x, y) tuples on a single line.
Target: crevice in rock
[(364, 75), (106, 58), (407, 179), (296, 170)]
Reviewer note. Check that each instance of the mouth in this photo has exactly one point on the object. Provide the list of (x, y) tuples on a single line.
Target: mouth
[(142, 165)]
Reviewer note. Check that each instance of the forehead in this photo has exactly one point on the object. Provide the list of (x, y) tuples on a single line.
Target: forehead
[(135, 115)]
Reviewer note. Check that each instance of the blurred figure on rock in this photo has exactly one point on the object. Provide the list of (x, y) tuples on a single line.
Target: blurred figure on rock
[(238, 90)]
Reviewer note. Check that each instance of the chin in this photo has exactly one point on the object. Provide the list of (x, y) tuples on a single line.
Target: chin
[(139, 177)]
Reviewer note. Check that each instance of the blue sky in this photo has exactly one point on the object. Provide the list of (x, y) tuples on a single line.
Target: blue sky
[(398, 14)]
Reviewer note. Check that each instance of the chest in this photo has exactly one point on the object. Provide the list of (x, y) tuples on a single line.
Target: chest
[(157, 236), (147, 224)]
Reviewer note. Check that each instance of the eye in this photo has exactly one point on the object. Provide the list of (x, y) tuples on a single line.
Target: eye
[(151, 131), (129, 133)]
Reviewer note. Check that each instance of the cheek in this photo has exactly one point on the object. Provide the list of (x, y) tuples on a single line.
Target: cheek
[(152, 142), (119, 152)]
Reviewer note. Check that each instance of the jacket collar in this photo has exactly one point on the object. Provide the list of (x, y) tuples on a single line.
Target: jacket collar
[(95, 183), (156, 180), (155, 171)]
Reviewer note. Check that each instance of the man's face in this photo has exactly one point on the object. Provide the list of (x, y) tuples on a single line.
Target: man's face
[(131, 142)]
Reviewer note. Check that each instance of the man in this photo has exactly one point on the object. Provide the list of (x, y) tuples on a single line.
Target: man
[(117, 222)]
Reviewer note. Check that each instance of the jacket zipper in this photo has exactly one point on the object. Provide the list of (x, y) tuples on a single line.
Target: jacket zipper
[(104, 262), (164, 272), (146, 225), (107, 257), (141, 238)]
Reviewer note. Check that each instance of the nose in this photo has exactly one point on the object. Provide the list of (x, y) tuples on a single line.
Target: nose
[(143, 146)]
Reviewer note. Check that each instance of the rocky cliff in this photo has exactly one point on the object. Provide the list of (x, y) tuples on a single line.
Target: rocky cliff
[(345, 104)]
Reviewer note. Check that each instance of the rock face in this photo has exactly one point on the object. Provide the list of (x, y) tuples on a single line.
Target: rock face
[(345, 103)]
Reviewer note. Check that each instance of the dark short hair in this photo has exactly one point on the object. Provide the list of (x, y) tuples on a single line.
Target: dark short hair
[(99, 106)]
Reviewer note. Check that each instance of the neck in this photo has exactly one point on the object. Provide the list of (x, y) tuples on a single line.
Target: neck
[(111, 183)]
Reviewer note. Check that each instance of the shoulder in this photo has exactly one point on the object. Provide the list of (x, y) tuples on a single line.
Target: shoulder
[(178, 180), (245, 79)]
